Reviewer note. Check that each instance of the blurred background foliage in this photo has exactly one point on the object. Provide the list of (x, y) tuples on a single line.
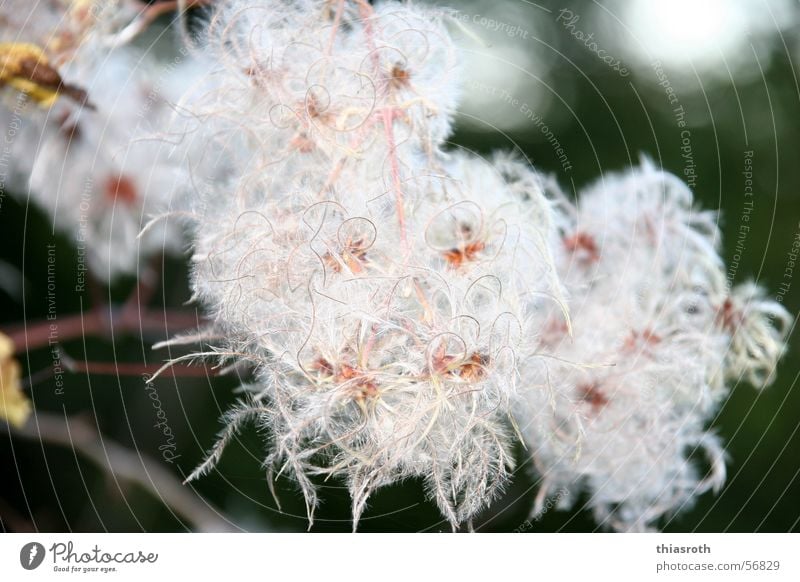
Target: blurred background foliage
[(731, 65)]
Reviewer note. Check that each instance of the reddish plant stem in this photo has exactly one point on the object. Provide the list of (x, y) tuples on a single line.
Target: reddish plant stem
[(373, 336), (398, 188), (337, 20), (35, 335), (367, 12)]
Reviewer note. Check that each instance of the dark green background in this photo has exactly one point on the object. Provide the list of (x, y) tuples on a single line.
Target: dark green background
[(613, 120)]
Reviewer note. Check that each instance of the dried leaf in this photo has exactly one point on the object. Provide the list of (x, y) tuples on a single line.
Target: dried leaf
[(25, 67), (14, 405)]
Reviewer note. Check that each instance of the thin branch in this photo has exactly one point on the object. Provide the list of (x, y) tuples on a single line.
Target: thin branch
[(396, 181), (130, 466), (131, 368), (34, 335)]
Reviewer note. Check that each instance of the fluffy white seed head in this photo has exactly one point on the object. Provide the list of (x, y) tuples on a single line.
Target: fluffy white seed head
[(404, 309), (381, 356), (656, 336)]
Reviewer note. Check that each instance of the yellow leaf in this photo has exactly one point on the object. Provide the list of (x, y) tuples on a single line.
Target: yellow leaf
[(14, 405), (25, 67)]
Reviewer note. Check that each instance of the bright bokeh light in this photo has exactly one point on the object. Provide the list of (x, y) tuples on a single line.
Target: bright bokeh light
[(677, 31), (506, 59), (504, 77)]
